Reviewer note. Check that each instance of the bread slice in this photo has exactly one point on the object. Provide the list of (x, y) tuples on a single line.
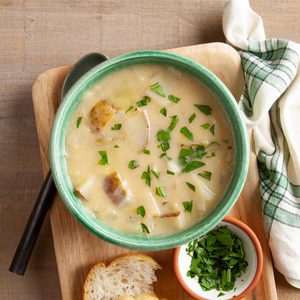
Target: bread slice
[(131, 275), (140, 297)]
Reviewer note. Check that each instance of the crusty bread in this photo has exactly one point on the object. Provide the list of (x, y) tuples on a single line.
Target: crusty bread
[(131, 275)]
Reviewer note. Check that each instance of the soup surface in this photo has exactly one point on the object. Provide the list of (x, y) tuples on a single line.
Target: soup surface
[(149, 150)]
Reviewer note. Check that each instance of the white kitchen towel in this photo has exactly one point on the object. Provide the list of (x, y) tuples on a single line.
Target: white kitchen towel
[(271, 106)]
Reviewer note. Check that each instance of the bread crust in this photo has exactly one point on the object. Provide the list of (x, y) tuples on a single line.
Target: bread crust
[(102, 265), (140, 256)]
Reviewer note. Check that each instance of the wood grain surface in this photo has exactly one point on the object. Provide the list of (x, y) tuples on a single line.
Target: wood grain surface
[(77, 249), (38, 35)]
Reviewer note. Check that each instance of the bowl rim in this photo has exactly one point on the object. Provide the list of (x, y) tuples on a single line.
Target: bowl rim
[(259, 266), (240, 135)]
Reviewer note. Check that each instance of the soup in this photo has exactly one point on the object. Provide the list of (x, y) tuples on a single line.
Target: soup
[(149, 150)]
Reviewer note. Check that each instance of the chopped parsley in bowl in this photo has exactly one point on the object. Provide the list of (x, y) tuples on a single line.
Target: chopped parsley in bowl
[(226, 263)]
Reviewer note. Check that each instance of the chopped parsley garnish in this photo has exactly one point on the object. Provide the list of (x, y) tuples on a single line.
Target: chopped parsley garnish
[(212, 129), (193, 165), (170, 172), (206, 109), (116, 146), (144, 101), (144, 228), (189, 158), (157, 88), (206, 175), (163, 135), (225, 141), (187, 133), (163, 111), (155, 173), (104, 159), (218, 259), (174, 122), (146, 151), (147, 177), (191, 186), (165, 146), (116, 127), (79, 119), (129, 109), (192, 118), (140, 211), (220, 294), (188, 206), (160, 192), (133, 164), (205, 125), (174, 98)]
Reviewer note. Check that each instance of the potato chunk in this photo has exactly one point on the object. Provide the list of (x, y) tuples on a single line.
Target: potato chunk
[(100, 114), (137, 129), (84, 190), (175, 219), (114, 189)]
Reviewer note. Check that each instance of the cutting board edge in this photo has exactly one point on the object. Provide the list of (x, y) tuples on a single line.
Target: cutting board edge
[(51, 72)]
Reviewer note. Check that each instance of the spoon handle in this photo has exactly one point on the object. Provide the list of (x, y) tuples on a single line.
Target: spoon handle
[(33, 227)]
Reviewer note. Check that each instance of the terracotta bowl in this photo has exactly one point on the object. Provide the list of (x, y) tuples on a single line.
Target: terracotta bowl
[(244, 284)]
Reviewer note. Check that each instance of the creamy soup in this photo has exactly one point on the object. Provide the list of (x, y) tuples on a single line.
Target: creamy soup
[(149, 150)]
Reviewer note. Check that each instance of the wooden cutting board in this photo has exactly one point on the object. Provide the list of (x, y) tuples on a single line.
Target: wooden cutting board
[(77, 250)]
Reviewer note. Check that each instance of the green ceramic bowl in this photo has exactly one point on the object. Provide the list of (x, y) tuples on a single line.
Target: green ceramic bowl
[(77, 207)]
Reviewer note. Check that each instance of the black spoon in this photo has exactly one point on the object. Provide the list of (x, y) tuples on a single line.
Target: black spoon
[(46, 194)]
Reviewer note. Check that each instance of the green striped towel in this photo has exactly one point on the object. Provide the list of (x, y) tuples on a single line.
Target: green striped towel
[(271, 106)]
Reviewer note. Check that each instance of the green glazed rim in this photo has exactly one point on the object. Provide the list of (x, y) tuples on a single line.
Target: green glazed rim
[(84, 215)]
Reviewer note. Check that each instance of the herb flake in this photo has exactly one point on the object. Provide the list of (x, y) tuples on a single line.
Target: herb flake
[(163, 135), (205, 125), (192, 118), (174, 99), (144, 101), (155, 173), (187, 133), (163, 111), (212, 129), (190, 158), (144, 228), (191, 186), (79, 119), (116, 127), (193, 165), (206, 109), (206, 174), (146, 176), (173, 123), (129, 109), (165, 146), (157, 88), (133, 164), (104, 158), (160, 192), (188, 206), (140, 211)]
